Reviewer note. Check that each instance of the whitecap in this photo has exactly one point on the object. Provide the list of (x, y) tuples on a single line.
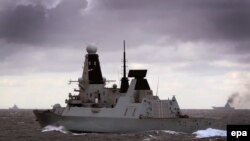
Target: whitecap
[(151, 136), (79, 134), (209, 132), (49, 128), (170, 132)]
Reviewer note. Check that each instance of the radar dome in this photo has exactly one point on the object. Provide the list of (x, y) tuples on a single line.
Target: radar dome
[(91, 49)]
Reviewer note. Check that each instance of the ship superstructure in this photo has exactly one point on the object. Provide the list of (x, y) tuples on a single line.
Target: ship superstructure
[(92, 90), (226, 108), (130, 108)]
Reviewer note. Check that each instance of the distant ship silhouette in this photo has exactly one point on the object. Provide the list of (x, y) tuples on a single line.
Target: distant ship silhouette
[(14, 107), (227, 107)]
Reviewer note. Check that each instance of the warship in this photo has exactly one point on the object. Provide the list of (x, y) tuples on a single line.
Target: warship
[(14, 108), (128, 109), (226, 108)]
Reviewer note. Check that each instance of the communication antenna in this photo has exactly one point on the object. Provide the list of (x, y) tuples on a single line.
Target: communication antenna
[(157, 87), (124, 80), (124, 60)]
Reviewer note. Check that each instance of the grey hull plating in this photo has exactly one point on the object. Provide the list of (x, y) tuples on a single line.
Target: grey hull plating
[(121, 125)]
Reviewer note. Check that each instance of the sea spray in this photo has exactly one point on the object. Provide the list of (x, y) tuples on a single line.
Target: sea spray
[(55, 128), (79, 134), (170, 132), (210, 133)]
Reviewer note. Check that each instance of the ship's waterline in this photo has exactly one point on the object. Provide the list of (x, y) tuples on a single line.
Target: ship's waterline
[(122, 125)]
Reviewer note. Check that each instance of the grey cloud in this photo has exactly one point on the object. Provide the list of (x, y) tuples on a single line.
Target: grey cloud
[(234, 24), (23, 24), (48, 4), (28, 26), (184, 20), (66, 24), (140, 21), (30, 60), (31, 23)]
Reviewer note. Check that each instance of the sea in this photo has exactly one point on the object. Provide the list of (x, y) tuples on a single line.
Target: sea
[(21, 125)]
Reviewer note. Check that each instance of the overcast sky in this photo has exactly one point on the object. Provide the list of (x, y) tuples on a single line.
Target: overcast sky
[(199, 49)]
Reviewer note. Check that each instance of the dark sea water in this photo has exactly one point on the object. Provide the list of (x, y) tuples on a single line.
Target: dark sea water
[(22, 126)]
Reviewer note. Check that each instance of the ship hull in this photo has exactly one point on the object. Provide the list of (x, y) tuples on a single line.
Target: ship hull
[(121, 125)]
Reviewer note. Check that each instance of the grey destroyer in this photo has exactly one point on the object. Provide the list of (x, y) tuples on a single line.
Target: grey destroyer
[(130, 108)]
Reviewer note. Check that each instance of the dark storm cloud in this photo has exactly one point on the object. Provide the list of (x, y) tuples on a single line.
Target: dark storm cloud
[(187, 20), (235, 25), (32, 22), (230, 19), (23, 24), (26, 24), (146, 20)]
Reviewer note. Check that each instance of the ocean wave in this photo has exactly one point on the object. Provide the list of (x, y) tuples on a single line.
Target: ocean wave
[(210, 133), (170, 132), (50, 128)]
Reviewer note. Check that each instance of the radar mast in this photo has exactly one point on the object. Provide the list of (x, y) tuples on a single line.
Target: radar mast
[(124, 80)]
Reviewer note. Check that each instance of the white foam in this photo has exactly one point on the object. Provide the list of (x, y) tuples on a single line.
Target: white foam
[(79, 134), (210, 133), (151, 136), (49, 128), (170, 132)]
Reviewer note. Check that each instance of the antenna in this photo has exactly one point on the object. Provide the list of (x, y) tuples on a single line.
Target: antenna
[(124, 59), (157, 87), (124, 80)]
